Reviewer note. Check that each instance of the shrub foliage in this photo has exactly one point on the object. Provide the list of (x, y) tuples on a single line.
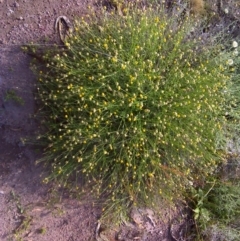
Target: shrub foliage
[(133, 105)]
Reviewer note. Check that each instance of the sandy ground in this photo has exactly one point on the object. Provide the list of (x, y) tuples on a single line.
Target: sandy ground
[(30, 210)]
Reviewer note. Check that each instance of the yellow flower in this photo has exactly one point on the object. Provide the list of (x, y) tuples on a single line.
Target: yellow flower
[(114, 59), (105, 46), (123, 66)]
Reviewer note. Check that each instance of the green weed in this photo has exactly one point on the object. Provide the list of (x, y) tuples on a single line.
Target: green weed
[(217, 208), (24, 219), (11, 95), (42, 230)]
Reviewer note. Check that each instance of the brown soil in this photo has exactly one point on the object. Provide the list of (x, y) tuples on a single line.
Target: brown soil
[(30, 210)]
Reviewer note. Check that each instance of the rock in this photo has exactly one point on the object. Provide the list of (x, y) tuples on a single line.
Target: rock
[(16, 5), (137, 217), (10, 11)]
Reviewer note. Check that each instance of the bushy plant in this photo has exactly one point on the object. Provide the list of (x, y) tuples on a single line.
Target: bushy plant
[(133, 106), (220, 232), (220, 201), (216, 205), (231, 56), (217, 208)]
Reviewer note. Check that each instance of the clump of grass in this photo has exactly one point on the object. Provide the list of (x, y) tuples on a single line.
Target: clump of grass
[(132, 106)]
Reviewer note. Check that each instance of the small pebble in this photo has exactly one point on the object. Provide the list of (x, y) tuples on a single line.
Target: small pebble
[(10, 11), (16, 5)]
